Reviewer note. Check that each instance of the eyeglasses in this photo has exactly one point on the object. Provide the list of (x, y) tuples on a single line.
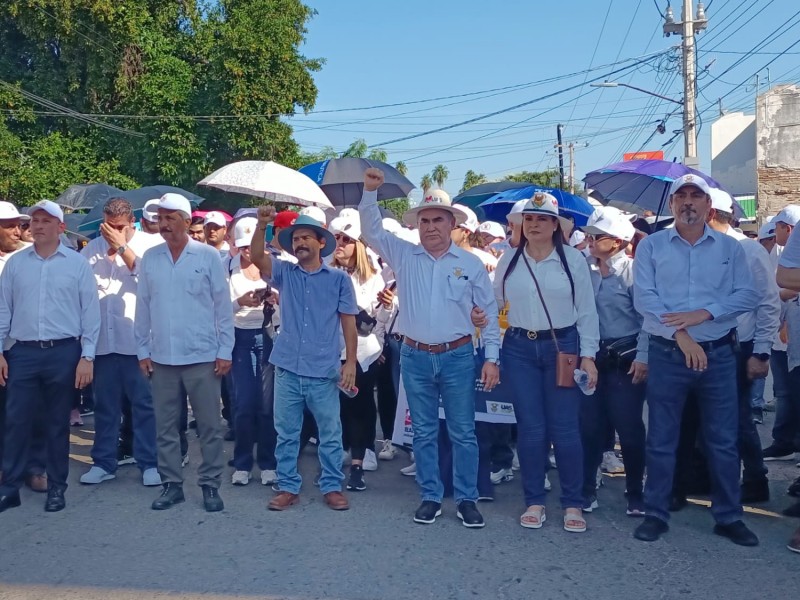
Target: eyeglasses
[(340, 237), (25, 226), (599, 238)]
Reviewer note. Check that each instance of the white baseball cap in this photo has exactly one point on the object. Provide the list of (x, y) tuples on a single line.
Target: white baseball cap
[(790, 215), (9, 212), (541, 203), (721, 200), (150, 210), (51, 208), (493, 229), (243, 231), (346, 225), (215, 218), (689, 179), (316, 213), (391, 225), (171, 201), (766, 231), (577, 238), (471, 224), (608, 220)]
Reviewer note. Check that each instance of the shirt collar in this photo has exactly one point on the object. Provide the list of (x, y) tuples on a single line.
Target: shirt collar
[(322, 268), (61, 249), (707, 233), (453, 249)]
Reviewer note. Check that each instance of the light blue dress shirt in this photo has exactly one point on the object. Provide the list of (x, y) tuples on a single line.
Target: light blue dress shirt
[(183, 308), (437, 295), (671, 275), (51, 298)]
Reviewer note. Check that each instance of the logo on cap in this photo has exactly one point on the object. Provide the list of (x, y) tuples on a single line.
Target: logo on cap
[(538, 199), (688, 178)]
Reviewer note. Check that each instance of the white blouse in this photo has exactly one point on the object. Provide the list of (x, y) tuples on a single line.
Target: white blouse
[(525, 308), (245, 317), (369, 347)]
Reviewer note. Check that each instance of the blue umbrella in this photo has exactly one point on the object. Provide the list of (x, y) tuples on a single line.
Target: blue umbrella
[(571, 206), (473, 197), (342, 179), (138, 198)]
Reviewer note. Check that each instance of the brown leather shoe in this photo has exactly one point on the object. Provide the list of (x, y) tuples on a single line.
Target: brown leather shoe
[(283, 501), (38, 483), (337, 501)]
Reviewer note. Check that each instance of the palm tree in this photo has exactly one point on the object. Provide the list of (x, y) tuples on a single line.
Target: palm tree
[(401, 167), (471, 179), (440, 175), (426, 183), (378, 154), (357, 149)]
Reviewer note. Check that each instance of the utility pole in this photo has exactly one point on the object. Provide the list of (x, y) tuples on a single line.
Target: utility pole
[(687, 29), (571, 167), (560, 147)]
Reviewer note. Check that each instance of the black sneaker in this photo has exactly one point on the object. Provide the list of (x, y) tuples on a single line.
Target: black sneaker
[(590, 504), (125, 459), (794, 489), (356, 482), (650, 530), (792, 511), (635, 506), (778, 453), (470, 515), (211, 499), (755, 491), (737, 532), (229, 436), (427, 512)]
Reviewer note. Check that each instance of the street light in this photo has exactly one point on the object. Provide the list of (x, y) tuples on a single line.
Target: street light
[(613, 84)]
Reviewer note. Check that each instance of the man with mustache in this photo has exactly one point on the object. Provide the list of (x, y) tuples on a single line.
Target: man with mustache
[(690, 285)]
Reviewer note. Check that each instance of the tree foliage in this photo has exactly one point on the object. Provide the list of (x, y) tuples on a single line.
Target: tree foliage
[(471, 179), (540, 178), (199, 84), (440, 175)]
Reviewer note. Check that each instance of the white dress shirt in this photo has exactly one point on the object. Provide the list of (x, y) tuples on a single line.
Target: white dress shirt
[(116, 288), (183, 312), (49, 299), (437, 294), (525, 307)]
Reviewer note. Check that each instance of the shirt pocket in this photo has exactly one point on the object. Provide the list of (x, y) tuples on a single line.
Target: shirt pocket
[(457, 289)]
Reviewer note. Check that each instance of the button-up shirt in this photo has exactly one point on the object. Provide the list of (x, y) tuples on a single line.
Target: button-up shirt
[(525, 308), (183, 309), (672, 275), (437, 294), (116, 288), (309, 343), (49, 298), (614, 300)]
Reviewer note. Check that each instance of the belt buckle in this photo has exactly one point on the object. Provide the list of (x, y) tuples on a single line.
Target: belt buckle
[(46, 344), (532, 335), (431, 348)]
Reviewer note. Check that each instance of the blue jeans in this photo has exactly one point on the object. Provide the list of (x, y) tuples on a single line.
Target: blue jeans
[(320, 394), (450, 375), (757, 393), (545, 413), (787, 404), (669, 383), (755, 471), (117, 376), (249, 422)]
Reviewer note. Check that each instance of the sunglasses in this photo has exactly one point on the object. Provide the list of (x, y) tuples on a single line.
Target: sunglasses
[(599, 238), (25, 226), (340, 237)]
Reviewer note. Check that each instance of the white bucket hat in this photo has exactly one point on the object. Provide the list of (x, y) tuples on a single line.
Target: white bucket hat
[(434, 199), (542, 203)]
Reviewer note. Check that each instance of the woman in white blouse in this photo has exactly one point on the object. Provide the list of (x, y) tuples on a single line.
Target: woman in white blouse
[(360, 412), (250, 425), (546, 413)]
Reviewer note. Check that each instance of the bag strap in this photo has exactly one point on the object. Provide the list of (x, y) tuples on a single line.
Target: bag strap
[(541, 298)]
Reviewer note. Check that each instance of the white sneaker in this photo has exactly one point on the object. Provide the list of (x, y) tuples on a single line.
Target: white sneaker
[(96, 475), (151, 477), (410, 470), (611, 463), (553, 460), (241, 478), (388, 451), (515, 461), (268, 477), (370, 461), (547, 485), (501, 476)]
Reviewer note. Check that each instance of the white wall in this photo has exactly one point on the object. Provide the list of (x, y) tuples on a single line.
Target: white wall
[(733, 152)]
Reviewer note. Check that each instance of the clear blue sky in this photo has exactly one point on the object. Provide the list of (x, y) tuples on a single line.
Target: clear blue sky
[(381, 52)]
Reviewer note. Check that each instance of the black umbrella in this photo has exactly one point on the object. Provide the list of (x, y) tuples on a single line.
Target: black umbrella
[(86, 195), (342, 180), (138, 198)]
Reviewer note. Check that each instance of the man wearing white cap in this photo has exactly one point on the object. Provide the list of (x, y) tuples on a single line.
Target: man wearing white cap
[(690, 285), (461, 237), (491, 233), (766, 236), (115, 257), (215, 227), (149, 220), (184, 334), (49, 305), (439, 284)]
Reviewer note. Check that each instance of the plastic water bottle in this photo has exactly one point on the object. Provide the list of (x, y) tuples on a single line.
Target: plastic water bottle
[(581, 377)]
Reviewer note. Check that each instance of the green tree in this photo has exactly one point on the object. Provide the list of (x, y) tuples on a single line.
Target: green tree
[(378, 154), (401, 168), (471, 179), (358, 149), (541, 178), (426, 183), (398, 206), (440, 175)]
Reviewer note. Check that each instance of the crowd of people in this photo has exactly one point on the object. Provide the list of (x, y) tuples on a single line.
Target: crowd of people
[(297, 328)]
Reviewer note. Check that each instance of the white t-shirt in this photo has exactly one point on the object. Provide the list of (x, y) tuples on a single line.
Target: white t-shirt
[(244, 317)]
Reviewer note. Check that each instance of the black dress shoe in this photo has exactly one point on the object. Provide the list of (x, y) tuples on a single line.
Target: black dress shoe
[(677, 502), (229, 436), (55, 500), (427, 512), (469, 515), (794, 489), (650, 529), (755, 491), (792, 511), (10, 500), (211, 499), (171, 495), (737, 532)]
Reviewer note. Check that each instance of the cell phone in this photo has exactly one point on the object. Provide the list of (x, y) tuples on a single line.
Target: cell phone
[(261, 295), (392, 286)]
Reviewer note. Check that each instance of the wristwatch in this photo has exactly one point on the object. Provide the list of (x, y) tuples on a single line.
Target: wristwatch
[(763, 356), (494, 360), (121, 249), (87, 358)]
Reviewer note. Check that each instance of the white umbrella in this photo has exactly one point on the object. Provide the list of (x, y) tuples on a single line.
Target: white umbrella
[(267, 179)]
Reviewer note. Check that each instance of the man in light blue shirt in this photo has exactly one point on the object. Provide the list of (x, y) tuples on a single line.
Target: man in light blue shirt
[(49, 305), (184, 338), (690, 285)]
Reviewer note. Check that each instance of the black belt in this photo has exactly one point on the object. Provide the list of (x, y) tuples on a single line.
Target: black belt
[(47, 343), (729, 339), (544, 333)]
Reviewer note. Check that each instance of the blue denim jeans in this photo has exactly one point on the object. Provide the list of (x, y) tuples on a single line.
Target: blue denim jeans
[(787, 404), (669, 383), (450, 375), (292, 394), (750, 452), (545, 413), (117, 376), (757, 393), (249, 421)]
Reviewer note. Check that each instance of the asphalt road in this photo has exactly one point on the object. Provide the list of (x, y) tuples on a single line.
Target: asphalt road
[(108, 543)]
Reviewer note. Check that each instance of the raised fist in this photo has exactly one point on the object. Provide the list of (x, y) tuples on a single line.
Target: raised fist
[(266, 215), (373, 179)]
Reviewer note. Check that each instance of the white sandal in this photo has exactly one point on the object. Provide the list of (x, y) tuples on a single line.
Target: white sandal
[(535, 518), (578, 519)]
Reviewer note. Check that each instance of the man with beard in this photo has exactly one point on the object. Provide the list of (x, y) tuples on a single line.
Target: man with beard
[(690, 285), (215, 228)]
